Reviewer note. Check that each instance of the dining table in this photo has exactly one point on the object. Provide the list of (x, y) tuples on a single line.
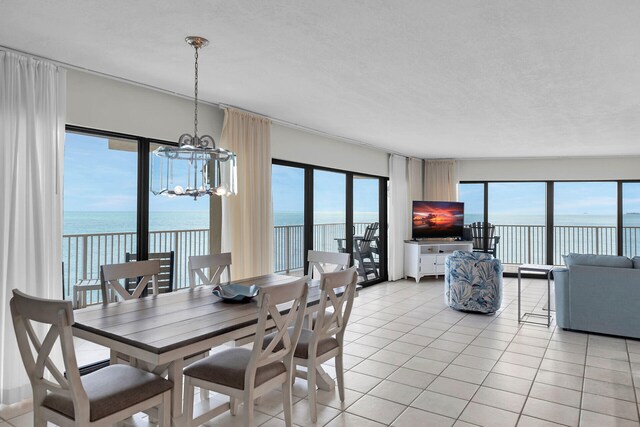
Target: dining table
[(159, 332)]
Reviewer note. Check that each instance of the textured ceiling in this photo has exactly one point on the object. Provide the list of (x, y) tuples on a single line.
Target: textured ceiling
[(450, 78)]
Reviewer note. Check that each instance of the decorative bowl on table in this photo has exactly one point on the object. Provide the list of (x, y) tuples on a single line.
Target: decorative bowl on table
[(236, 293)]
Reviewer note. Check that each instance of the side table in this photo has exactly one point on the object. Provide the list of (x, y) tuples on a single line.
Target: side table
[(537, 269)]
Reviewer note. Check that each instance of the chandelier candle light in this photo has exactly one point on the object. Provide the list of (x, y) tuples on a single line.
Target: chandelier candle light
[(195, 167)]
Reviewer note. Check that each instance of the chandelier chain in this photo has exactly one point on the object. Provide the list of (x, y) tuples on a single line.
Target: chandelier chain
[(195, 120)]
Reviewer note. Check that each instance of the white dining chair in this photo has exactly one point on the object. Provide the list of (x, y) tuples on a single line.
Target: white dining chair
[(111, 274), (216, 264), (245, 374), (326, 340), (326, 262), (101, 398)]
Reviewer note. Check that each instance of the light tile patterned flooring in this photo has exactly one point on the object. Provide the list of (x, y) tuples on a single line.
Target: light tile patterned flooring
[(411, 361)]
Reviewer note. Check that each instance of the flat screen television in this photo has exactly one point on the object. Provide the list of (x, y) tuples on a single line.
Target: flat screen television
[(437, 220)]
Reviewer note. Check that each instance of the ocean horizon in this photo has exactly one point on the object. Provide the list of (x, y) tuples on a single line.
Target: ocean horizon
[(89, 222)]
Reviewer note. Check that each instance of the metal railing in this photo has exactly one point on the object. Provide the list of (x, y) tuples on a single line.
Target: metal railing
[(84, 253)]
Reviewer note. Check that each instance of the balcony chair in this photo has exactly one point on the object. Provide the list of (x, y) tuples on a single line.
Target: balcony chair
[(245, 374), (325, 262), (101, 398), (325, 340), (215, 263), (363, 252), (484, 238), (165, 276)]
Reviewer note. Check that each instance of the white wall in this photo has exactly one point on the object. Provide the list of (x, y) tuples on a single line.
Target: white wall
[(98, 102), (304, 147), (549, 169), (103, 103)]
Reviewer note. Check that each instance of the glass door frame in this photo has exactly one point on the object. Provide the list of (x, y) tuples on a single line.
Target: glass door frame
[(308, 212)]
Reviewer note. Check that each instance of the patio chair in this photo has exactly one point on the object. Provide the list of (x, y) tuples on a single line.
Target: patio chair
[(101, 398), (363, 252), (165, 276), (484, 238), (246, 374), (215, 263), (325, 340)]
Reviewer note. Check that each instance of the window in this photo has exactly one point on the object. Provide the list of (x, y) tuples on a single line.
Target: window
[(631, 219), (584, 218), (288, 219), (473, 197), (100, 204), (518, 210)]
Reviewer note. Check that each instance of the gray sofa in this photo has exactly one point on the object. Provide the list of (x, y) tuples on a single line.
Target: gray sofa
[(599, 293)]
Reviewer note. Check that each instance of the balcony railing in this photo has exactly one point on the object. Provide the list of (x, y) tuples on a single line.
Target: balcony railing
[(84, 253)]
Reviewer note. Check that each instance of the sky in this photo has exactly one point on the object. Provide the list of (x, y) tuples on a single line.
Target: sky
[(99, 179)]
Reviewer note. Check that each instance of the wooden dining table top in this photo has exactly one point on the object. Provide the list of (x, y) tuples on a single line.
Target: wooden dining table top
[(162, 323)]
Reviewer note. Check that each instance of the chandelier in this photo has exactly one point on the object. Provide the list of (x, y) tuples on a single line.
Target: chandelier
[(195, 167)]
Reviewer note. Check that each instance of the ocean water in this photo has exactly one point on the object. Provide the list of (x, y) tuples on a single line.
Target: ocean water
[(109, 222)]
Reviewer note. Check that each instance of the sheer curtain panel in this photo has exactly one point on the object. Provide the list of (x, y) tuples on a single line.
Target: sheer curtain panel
[(32, 121), (441, 180), (247, 218), (399, 214)]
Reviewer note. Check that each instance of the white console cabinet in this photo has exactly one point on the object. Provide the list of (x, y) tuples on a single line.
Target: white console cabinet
[(426, 258)]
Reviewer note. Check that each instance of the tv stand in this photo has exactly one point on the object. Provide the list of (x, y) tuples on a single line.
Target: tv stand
[(426, 258)]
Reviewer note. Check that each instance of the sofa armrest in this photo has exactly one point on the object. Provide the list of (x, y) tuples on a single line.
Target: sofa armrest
[(561, 283)]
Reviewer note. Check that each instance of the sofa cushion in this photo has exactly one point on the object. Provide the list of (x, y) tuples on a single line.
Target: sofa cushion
[(636, 262), (598, 260)]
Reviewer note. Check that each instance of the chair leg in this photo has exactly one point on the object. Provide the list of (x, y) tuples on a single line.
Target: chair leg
[(164, 410), (38, 421), (204, 394), (189, 391), (234, 403), (340, 376), (248, 409), (286, 393), (311, 387)]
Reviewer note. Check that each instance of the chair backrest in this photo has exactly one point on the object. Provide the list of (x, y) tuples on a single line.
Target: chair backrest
[(482, 234), (320, 260), (334, 310), (165, 276), (111, 274), (35, 352), (215, 263), (364, 244), (291, 296)]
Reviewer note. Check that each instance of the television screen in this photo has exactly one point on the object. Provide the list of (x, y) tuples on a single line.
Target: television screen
[(437, 219)]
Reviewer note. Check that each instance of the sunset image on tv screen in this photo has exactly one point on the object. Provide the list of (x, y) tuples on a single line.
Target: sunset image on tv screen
[(437, 219)]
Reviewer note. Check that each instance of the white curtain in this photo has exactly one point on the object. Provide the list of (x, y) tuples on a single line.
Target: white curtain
[(32, 120), (415, 180), (247, 218), (441, 180), (399, 214)]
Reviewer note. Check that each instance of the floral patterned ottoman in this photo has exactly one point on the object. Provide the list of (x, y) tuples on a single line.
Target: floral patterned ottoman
[(473, 282)]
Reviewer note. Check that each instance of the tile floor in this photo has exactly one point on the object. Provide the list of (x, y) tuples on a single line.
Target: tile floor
[(411, 361)]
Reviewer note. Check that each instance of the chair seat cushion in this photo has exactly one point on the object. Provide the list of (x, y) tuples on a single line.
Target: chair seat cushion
[(302, 349), (228, 368), (110, 390)]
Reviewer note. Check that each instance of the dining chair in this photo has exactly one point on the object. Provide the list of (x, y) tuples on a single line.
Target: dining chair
[(216, 263), (101, 398), (245, 374), (111, 274), (326, 340), (324, 262)]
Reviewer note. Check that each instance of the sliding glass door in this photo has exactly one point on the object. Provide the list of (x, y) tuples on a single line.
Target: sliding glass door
[(288, 185), (328, 210)]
